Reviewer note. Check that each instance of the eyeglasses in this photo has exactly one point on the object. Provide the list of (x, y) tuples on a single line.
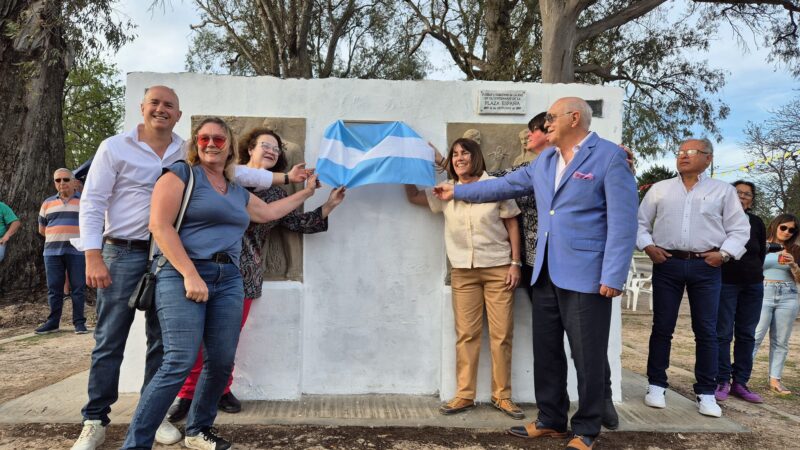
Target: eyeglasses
[(691, 152), (791, 230), (744, 194), (552, 117), (203, 140), (64, 180), (267, 146)]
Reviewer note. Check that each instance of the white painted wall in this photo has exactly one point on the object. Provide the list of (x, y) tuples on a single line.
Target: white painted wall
[(373, 314)]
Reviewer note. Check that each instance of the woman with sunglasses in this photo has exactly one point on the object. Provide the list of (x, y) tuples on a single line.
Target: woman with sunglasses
[(780, 306), (483, 246), (199, 293), (260, 148)]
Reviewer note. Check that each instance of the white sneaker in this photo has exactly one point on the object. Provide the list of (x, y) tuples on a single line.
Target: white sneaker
[(707, 405), (92, 435), (168, 434), (656, 397), (207, 439)]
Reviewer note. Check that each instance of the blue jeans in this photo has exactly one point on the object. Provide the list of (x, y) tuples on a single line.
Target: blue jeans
[(739, 310), (702, 283), (2, 252), (126, 266), (777, 316), (55, 267), (186, 325)]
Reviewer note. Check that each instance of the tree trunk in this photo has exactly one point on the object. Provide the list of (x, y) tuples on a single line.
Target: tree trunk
[(559, 30), (32, 76), (500, 49)]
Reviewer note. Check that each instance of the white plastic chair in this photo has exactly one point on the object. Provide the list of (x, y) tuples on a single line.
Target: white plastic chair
[(637, 283), (638, 286)]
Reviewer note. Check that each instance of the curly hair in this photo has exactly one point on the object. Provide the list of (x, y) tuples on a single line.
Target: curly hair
[(248, 142)]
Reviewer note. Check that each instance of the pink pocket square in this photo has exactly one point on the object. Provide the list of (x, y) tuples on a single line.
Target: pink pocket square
[(583, 176)]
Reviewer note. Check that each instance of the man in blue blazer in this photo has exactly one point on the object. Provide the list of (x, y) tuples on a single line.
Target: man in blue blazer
[(587, 202)]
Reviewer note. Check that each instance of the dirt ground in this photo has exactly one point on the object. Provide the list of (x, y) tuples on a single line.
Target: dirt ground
[(29, 364)]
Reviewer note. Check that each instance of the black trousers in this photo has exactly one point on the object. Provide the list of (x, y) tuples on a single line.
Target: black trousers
[(586, 319)]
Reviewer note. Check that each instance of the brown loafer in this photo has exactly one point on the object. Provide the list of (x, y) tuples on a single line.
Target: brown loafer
[(508, 407), (536, 430), (581, 443), (456, 405), (777, 387)]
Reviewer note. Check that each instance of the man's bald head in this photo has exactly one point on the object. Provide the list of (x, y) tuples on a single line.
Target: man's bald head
[(579, 105), (161, 89)]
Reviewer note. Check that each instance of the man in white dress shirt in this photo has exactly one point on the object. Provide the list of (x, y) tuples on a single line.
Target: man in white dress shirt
[(115, 211), (689, 226)]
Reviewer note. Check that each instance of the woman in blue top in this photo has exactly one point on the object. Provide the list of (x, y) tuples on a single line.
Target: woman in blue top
[(780, 305), (199, 291)]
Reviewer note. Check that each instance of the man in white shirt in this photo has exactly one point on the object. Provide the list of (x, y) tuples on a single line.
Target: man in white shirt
[(115, 211), (689, 226)]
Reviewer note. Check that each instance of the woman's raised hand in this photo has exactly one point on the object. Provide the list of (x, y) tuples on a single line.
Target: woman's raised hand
[(299, 173), (312, 183)]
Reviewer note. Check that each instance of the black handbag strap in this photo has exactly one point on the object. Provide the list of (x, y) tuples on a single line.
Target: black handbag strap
[(188, 189)]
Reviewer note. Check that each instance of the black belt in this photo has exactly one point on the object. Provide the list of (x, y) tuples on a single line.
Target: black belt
[(680, 254), (219, 258), (143, 245)]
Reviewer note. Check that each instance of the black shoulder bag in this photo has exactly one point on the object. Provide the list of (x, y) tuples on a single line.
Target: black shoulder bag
[(145, 291)]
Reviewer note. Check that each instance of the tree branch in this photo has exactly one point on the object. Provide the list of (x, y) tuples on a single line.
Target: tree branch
[(633, 11)]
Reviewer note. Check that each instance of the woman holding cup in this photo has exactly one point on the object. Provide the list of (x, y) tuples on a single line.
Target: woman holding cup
[(780, 305)]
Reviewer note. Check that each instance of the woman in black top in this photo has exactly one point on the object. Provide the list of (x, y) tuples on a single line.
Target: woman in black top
[(740, 306)]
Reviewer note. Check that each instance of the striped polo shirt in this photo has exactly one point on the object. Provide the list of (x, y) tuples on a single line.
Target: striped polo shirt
[(60, 221)]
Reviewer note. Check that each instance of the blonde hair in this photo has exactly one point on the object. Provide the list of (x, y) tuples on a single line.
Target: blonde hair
[(230, 162)]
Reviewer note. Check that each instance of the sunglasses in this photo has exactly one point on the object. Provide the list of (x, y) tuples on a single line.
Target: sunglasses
[(791, 230), (64, 180), (552, 117), (204, 139)]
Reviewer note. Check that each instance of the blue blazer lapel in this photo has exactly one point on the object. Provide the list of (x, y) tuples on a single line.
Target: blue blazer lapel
[(550, 174), (576, 162)]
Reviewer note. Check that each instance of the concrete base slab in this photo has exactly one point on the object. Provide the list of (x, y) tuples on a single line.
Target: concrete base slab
[(61, 403)]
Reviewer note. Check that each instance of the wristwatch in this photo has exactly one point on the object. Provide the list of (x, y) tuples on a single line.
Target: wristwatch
[(285, 178), (725, 256), (516, 263)]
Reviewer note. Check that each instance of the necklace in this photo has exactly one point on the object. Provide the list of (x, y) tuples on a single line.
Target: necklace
[(223, 188)]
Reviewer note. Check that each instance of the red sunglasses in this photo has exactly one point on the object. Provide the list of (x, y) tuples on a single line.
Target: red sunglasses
[(204, 139)]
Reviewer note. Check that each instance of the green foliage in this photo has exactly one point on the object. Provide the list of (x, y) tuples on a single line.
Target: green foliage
[(347, 39), (653, 175), (93, 108), (93, 26), (668, 94)]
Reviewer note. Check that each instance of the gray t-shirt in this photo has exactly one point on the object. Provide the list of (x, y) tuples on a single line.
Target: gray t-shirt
[(213, 223)]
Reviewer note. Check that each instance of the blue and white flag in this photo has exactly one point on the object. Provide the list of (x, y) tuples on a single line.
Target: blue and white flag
[(369, 153)]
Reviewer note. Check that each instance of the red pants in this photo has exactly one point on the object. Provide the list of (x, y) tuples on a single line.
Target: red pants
[(187, 391)]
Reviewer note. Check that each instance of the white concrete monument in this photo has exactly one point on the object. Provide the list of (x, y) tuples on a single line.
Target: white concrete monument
[(372, 314)]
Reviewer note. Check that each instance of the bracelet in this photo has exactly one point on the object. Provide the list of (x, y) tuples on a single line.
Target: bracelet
[(285, 178), (516, 263)]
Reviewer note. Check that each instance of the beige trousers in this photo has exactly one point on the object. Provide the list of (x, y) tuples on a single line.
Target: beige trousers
[(473, 290)]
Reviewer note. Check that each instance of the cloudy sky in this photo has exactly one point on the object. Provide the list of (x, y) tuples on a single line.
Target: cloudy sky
[(753, 88)]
